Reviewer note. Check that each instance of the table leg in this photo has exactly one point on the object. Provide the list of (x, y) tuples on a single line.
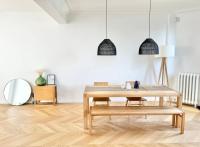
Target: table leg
[(90, 124), (177, 121), (85, 110), (179, 101), (161, 101), (179, 105), (56, 97)]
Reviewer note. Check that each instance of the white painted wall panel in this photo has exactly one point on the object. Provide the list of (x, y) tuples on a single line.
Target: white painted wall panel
[(29, 41)]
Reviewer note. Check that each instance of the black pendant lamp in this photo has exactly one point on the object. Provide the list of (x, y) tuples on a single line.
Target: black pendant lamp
[(149, 46), (106, 47)]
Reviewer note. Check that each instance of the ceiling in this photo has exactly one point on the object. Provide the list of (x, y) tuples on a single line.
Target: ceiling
[(134, 5), (114, 5)]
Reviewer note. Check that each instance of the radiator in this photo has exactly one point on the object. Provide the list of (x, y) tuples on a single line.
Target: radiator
[(189, 86)]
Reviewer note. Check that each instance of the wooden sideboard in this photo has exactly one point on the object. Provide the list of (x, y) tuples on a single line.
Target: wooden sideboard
[(45, 93)]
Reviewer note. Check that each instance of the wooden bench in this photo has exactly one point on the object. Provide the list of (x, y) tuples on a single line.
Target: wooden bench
[(146, 110)]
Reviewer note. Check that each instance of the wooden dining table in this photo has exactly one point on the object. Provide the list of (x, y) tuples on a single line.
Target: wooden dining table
[(118, 91)]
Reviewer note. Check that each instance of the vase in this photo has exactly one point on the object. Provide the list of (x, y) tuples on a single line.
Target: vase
[(128, 85), (136, 84), (40, 81)]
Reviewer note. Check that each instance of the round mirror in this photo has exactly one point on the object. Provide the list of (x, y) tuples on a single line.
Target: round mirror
[(17, 92)]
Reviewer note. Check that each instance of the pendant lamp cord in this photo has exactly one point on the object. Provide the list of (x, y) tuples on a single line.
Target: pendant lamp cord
[(106, 19), (150, 19)]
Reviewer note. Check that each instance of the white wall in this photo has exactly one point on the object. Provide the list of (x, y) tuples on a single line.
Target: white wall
[(188, 42), (29, 41)]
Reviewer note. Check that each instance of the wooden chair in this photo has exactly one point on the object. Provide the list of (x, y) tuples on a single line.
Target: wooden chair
[(140, 100), (102, 99)]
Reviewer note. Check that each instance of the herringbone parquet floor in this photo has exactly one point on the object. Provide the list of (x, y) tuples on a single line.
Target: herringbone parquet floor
[(62, 126)]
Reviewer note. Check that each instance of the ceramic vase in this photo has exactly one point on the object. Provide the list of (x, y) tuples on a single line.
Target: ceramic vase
[(40, 81)]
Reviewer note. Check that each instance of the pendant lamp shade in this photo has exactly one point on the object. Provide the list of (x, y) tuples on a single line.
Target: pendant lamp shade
[(149, 46), (106, 47)]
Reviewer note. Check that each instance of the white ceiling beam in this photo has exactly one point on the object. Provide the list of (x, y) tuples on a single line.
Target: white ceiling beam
[(58, 9)]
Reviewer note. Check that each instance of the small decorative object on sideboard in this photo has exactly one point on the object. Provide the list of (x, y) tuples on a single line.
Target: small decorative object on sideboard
[(40, 81), (51, 80), (136, 84), (128, 85)]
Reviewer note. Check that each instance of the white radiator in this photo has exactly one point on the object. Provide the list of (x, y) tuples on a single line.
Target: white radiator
[(189, 86)]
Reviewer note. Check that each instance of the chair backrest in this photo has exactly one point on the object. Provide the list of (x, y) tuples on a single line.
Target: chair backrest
[(100, 83)]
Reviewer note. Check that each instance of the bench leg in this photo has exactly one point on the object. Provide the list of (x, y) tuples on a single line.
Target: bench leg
[(174, 120), (178, 121), (183, 123)]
